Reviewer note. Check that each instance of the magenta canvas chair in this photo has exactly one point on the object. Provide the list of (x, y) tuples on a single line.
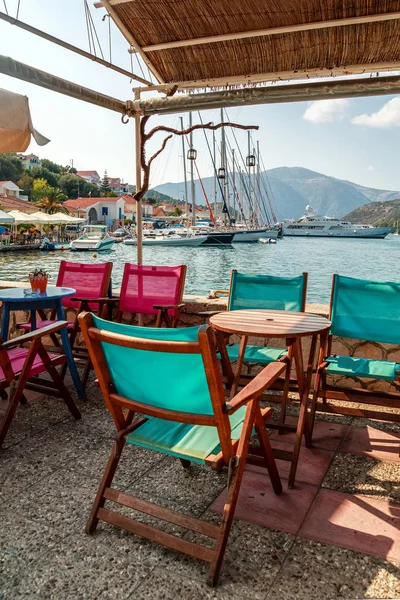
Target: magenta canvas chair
[(20, 368), (91, 282), (148, 290)]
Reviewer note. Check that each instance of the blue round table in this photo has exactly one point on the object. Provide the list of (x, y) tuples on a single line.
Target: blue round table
[(16, 299)]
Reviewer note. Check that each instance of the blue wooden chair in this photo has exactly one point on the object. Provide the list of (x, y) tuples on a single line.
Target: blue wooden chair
[(367, 311), (172, 376), (267, 292)]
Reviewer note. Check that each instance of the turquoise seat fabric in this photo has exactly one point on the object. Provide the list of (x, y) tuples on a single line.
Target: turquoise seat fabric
[(351, 366), (366, 310), (266, 292), (173, 381), (191, 442), (257, 354)]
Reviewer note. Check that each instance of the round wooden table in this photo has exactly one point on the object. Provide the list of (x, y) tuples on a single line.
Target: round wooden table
[(292, 326)]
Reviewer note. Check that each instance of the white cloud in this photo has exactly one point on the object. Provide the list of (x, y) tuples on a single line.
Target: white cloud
[(387, 116), (326, 111)]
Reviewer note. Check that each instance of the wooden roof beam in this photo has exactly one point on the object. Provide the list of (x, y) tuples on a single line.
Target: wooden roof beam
[(271, 31)]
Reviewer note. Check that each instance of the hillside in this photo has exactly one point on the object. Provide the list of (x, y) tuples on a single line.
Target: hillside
[(377, 213), (294, 187)]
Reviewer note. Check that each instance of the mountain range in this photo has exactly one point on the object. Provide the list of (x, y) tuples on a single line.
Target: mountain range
[(293, 188)]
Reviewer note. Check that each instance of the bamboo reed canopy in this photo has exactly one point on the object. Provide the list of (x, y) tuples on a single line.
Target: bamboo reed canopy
[(211, 43)]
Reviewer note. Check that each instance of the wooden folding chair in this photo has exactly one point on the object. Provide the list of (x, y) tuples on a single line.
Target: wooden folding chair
[(91, 282), (148, 290), (172, 376), (20, 368), (368, 311)]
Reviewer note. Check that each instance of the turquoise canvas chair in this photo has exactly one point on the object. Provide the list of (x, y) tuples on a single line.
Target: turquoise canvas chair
[(273, 293), (172, 377), (368, 311)]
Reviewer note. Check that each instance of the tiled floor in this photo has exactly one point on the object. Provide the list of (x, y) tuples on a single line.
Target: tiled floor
[(336, 535)]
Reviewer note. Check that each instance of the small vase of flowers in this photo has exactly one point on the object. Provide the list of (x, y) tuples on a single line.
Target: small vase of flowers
[(38, 280)]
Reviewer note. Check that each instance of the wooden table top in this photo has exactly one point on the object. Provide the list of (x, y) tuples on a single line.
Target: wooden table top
[(269, 323)]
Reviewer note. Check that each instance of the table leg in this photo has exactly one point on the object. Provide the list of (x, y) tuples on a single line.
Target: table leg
[(239, 365), (225, 362), (5, 322), (68, 352), (33, 320), (304, 382)]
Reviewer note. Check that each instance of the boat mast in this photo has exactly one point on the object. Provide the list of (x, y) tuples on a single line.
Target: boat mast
[(234, 184), (192, 188), (184, 167), (241, 192), (224, 165), (258, 183), (249, 179), (215, 176)]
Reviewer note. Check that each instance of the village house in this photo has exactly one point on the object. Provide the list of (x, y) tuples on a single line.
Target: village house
[(98, 210), (90, 176), (30, 161), (8, 203), (117, 186), (10, 189)]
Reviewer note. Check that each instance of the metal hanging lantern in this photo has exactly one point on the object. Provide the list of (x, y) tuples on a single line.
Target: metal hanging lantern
[(221, 173), (192, 154), (250, 160)]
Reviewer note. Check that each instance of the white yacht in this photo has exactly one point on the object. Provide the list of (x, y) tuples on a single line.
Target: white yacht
[(94, 237), (313, 225)]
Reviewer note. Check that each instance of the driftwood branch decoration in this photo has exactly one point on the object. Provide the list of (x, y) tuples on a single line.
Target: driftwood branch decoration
[(144, 138)]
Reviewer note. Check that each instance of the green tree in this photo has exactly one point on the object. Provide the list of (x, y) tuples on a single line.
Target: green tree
[(73, 186), (105, 184), (152, 201), (43, 173), (177, 212), (111, 195), (25, 183), (11, 167), (40, 189), (53, 167), (53, 201)]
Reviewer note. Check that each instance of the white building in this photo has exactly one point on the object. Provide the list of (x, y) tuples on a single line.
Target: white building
[(91, 176), (30, 161), (10, 188), (98, 210)]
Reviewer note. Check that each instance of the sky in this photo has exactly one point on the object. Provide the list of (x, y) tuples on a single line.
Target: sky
[(356, 139)]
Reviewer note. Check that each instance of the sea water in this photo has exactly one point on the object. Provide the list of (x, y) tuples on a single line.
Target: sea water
[(209, 268)]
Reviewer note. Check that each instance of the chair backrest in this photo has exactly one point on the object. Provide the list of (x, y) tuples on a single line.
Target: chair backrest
[(89, 281), (145, 286), (168, 373), (365, 310), (267, 292)]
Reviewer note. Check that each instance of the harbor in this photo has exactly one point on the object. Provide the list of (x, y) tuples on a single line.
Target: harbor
[(379, 259)]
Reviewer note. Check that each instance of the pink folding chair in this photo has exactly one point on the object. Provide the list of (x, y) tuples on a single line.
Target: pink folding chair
[(91, 282), (149, 290)]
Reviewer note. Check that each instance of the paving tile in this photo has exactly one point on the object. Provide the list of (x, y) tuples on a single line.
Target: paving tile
[(372, 442), (355, 522), (258, 504), (162, 585), (80, 568), (312, 466), (327, 435), (194, 488), (313, 571), (363, 475)]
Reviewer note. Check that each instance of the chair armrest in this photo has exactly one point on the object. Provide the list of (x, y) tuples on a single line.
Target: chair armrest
[(167, 306), (257, 386), (34, 335), (94, 299), (209, 313)]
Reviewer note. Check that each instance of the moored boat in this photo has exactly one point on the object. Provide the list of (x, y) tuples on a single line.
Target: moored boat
[(94, 237)]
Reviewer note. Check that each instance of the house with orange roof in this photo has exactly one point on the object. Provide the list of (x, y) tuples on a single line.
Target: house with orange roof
[(30, 161), (105, 211), (91, 176)]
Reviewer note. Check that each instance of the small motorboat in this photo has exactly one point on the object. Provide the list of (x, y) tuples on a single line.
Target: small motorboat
[(94, 237), (267, 241), (174, 240), (48, 246)]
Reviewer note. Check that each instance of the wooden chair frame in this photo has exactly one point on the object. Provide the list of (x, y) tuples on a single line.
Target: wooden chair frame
[(233, 454), (287, 383), (18, 381), (162, 316), (347, 394)]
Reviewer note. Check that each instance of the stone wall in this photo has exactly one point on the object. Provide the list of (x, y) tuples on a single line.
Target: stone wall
[(198, 304)]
